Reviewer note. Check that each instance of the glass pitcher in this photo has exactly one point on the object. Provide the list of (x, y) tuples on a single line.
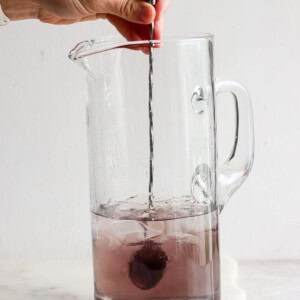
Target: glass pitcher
[(156, 186)]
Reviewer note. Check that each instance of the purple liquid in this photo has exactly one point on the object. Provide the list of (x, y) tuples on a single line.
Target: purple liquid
[(176, 258)]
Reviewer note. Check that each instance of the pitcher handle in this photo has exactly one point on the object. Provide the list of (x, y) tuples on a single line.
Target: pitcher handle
[(237, 167)]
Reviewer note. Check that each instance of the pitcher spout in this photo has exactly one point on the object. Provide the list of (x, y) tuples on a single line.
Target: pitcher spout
[(76, 55)]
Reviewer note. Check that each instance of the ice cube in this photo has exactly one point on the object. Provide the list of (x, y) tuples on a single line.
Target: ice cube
[(198, 249), (135, 232)]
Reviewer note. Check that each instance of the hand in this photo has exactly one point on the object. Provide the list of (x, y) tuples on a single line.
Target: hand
[(128, 16)]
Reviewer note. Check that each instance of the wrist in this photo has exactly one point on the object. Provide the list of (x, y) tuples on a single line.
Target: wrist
[(20, 9)]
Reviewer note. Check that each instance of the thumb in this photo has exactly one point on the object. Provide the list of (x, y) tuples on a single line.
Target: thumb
[(136, 11)]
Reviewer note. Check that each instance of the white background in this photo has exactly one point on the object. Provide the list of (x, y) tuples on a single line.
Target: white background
[(44, 210)]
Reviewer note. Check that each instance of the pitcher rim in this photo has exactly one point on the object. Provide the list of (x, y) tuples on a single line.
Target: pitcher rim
[(94, 46)]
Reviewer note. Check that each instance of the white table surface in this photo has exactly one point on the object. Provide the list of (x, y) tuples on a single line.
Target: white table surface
[(73, 280)]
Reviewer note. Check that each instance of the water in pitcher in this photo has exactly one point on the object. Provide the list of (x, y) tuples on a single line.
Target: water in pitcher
[(156, 258)]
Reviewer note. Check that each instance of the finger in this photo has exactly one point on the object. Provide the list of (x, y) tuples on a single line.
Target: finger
[(131, 31), (94, 17), (158, 29), (136, 11), (136, 32), (160, 7), (125, 28)]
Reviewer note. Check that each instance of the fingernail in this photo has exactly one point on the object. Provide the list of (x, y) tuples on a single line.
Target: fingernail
[(147, 14)]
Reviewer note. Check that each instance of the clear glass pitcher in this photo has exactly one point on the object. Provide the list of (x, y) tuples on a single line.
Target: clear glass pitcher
[(156, 186)]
